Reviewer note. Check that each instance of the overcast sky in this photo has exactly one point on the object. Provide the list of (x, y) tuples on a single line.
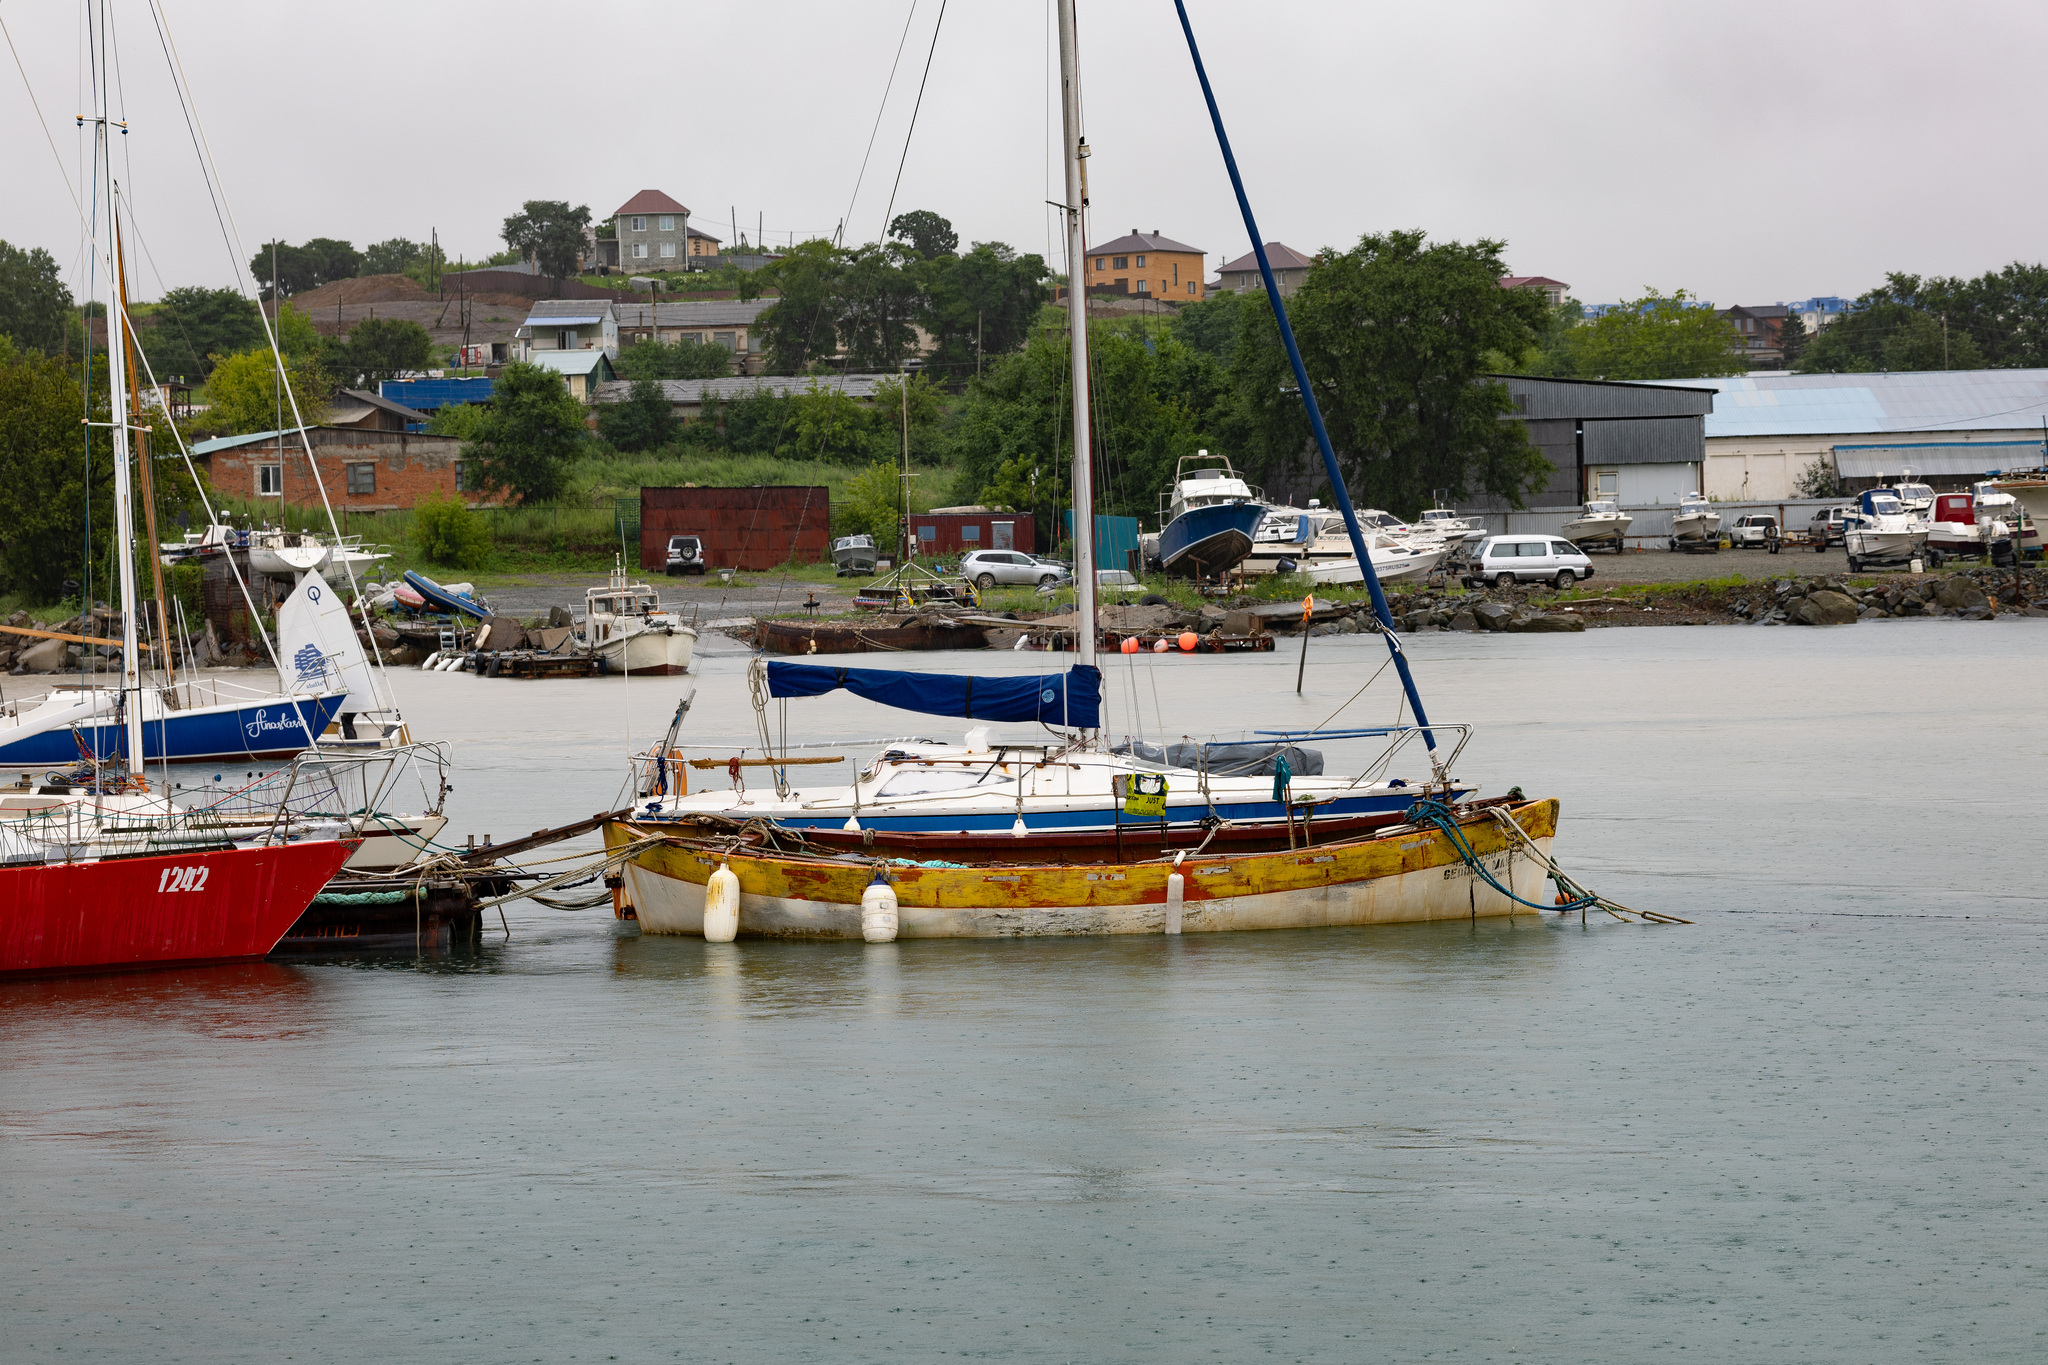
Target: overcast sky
[(1748, 152)]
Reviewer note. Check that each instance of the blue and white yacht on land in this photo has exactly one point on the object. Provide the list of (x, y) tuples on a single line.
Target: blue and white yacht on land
[(1207, 519)]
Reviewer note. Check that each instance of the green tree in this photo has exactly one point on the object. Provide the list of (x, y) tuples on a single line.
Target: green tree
[(531, 436), (243, 394), (391, 257), (299, 268), (44, 484), (446, 532), (644, 421), (879, 302), (34, 301), (802, 325), (674, 360), (1900, 325), (872, 502), (1657, 336), (979, 305), (381, 348), (925, 232), (1396, 334), (1819, 480), (828, 425), (459, 420), (296, 334), (1211, 325), (1792, 339), (191, 326), (549, 232)]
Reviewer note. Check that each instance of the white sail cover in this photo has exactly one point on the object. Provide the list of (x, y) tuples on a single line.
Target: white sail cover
[(317, 645)]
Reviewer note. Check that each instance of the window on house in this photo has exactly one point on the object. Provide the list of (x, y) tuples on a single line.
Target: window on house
[(462, 476), (970, 533), (1176, 272), (668, 249), (1606, 482), (1123, 263), (1099, 263), (639, 225), (743, 341), (1144, 286), (362, 478), (639, 251), (565, 340), (668, 222), (1191, 286), (726, 339), (1141, 263), (270, 480), (927, 533)]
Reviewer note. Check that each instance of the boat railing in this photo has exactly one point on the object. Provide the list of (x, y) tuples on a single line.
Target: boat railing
[(329, 784), (1399, 737)]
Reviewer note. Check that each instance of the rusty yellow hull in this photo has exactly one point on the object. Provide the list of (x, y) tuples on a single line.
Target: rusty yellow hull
[(1401, 877)]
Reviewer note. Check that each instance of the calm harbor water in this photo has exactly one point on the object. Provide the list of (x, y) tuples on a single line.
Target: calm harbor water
[(1807, 1128)]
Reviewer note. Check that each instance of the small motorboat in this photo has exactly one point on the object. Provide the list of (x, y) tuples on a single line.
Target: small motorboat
[(286, 554), (454, 599), (1394, 560), (1602, 525), (1996, 501), (1207, 518), (1953, 527), (854, 555), (1459, 532), (625, 627), (1882, 531), (1694, 523)]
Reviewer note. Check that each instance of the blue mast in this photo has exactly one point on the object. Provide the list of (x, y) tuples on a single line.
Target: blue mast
[(1308, 397)]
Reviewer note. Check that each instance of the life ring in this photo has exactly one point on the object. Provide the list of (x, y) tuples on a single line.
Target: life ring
[(682, 775)]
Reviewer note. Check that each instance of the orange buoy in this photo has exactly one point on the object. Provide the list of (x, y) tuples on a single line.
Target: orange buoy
[(1130, 646), (1187, 641), (1159, 646)]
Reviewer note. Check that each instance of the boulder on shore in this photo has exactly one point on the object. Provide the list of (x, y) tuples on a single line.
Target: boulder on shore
[(1492, 616), (1825, 607), (1546, 625), (45, 656)]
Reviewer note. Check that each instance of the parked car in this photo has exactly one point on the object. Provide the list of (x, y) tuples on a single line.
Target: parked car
[(685, 555), (1758, 528), (1529, 559), (1111, 585), (986, 568), (1829, 524)]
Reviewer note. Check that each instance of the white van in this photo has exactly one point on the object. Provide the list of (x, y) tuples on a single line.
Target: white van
[(1529, 559)]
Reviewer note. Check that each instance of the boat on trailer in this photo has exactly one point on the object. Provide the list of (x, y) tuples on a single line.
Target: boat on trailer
[(1207, 518)]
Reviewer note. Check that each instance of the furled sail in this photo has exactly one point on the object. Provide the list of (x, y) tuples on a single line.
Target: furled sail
[(1072, 699)]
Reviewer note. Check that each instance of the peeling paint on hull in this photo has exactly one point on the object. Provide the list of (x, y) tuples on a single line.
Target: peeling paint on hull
[(1402, 877)]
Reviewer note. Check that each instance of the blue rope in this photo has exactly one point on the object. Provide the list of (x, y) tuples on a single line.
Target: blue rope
[(1438, 814)]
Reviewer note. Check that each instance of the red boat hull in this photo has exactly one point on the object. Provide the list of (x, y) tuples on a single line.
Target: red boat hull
[(149, 912)]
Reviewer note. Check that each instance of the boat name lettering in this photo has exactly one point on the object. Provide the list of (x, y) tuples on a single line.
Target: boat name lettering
[(1319, 858), (289, 720), (1105, 876), (1210, 871), (1002, 879), (183, 879)]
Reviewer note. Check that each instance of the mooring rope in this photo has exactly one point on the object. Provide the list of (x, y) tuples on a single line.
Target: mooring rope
[(1431, 812)]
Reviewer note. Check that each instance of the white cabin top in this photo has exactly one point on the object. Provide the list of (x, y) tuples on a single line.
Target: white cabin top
[(1204, 485)]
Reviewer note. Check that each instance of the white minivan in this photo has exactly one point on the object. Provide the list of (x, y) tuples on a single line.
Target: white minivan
[(1529, 559)]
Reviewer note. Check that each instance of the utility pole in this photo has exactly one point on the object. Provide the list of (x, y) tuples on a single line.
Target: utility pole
[(977, 343)]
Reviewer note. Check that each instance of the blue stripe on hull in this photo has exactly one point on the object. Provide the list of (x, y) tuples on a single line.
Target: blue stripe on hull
[(1249, 812), (258, 730)]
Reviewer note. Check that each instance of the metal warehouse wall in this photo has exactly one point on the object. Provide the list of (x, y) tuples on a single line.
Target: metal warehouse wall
[(742, 528)]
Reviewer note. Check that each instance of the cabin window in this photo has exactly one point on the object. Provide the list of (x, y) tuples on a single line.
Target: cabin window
[(362, 478), (922, 781), (270, 480), (970, 533)]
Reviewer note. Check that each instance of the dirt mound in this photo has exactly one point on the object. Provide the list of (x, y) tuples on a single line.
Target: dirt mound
[(365, 289)]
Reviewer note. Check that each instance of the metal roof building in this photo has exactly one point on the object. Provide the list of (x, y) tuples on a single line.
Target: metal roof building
[(1949, 426)]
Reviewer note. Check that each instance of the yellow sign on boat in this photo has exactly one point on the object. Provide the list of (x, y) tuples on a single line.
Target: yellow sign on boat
[(1145, 795)]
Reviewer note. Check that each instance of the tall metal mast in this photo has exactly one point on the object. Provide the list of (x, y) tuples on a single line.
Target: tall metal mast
[(124, 515), (1075, 152)]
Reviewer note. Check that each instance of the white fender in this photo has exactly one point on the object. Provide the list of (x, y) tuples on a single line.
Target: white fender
[(432, 659), (878, 912), (1175, 889), (722, 906)]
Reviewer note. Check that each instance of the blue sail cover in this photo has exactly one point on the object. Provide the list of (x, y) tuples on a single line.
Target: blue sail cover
[(1073, 698)]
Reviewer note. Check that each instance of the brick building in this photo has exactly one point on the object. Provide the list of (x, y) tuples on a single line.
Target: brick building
[(1146, 265), (364, 470)]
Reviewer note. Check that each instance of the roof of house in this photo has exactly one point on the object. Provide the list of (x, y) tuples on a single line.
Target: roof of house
[(569, 312), (705, 235), (574, 362), (726, 390), (1279, 254), (695, 312), (1758, 310), (1143, 241), (1531, 282), (253, 438), (649, 201), (378, 401), (1769, 404)]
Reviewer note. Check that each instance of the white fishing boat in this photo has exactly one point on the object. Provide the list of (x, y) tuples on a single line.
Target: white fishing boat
[(1601, 524), (1297, 539), (1393, 560), (286, 554), (2020, 501), (855, 555), (1694, 522), (625, 625), (729, 864), (1882, 531), (1459, 532)]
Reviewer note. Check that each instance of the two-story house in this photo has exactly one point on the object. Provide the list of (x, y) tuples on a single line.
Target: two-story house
[(654, 234), (1553, 291), (1756, 326), (1145, 265), (1290, 268)]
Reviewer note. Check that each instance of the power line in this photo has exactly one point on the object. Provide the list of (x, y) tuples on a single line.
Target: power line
[(912, 130), (890, 85)]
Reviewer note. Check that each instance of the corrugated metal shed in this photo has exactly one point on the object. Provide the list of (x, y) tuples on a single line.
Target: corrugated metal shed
[(690, 392), (742, 528), (1770, 405), (426, 395), (949, 533), (575, 362), (1940, 460)]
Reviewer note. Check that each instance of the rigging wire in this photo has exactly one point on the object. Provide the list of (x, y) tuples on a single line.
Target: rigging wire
[(912, 130), (36, 104), (886, 88)]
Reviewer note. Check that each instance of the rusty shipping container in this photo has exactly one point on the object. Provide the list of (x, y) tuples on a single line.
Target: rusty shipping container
[(952, 533), (742, 528)]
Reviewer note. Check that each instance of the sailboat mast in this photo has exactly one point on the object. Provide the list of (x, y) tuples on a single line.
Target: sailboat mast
[(124, 515), (1075, 151), (145, 480)]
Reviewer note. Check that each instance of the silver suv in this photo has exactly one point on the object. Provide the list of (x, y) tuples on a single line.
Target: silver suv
[(685, 555), (986, 568)]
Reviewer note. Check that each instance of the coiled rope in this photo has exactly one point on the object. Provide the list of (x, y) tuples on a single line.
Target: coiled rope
[(1574, 896)]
